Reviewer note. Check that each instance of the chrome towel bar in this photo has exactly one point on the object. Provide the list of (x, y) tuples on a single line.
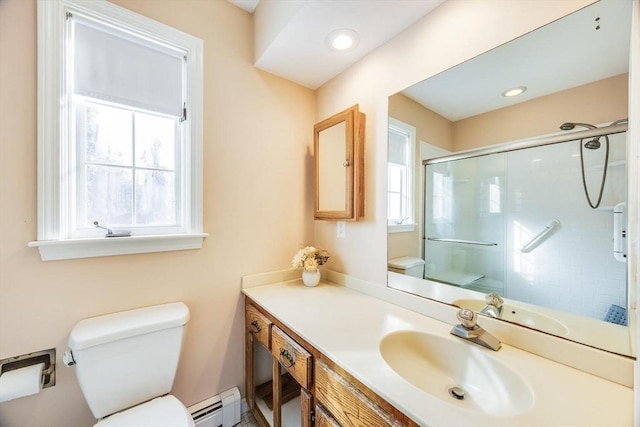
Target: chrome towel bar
[(465, 242), (537, 239)]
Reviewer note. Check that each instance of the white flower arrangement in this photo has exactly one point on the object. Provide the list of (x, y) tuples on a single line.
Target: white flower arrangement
[(310, 258)]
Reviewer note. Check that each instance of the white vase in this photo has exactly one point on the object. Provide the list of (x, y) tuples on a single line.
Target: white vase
[(311, 278)]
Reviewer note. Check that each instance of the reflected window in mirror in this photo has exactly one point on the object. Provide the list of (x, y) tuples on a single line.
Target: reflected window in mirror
[(400, 176)]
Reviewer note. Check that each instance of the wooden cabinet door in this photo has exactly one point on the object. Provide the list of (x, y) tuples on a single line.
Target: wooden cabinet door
[(349, 406), (324, 419)]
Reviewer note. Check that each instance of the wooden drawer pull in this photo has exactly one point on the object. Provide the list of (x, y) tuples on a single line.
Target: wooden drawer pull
[(284, 354), (255, 327)]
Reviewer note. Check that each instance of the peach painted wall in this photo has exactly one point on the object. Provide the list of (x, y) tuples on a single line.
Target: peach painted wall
[(258, 145), (596, 103), (430, 127), (453, 33)]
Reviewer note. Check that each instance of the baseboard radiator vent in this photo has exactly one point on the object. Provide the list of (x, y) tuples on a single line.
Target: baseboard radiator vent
[(223, 410)]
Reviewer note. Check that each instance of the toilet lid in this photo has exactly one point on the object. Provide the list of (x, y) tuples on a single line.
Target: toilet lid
[(164, 411), (405, 262)]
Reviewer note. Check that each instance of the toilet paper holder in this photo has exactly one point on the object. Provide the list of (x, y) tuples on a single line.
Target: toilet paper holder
[(48, 357)]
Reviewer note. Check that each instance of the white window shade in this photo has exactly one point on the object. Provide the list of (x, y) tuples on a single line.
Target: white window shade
[(397, 148), (112, 68)]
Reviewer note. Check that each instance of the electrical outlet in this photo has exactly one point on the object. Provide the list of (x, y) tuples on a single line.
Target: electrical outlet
[(341, 232)]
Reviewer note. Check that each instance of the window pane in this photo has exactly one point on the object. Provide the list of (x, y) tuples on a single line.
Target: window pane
[(155, 141), (394, 210), (108, 135), (108, 195), (155, 198), (394, 178)]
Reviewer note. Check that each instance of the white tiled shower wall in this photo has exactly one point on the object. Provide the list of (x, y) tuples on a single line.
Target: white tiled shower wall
[(573, 269), (509, 198)]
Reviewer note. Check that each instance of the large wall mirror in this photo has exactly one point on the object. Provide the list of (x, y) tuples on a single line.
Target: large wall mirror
[(521, 196)]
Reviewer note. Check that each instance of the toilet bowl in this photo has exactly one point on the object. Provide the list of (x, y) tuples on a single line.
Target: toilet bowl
[(126, 362), (407, 265)]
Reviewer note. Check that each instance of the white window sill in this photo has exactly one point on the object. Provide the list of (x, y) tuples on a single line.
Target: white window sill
[(52, 250), (400, 228)]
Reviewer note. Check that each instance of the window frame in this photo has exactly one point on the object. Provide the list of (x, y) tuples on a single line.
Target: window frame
[(55, 142), (409, 224)]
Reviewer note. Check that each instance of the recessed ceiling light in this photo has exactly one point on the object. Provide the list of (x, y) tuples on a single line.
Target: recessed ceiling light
[(342, 40), (515, 91)]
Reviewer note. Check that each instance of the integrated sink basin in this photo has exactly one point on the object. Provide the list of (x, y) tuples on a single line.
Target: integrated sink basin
[(519, 315), (458, 372)]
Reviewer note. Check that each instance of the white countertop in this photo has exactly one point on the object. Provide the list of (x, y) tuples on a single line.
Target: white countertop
[(347, 327)]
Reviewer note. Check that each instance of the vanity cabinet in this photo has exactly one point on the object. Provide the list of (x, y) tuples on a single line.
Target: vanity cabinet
[(304, 388), (323, 418), (278, 373), (348, 404)]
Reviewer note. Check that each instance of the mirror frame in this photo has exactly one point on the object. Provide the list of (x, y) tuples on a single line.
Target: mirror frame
[(354, 122)]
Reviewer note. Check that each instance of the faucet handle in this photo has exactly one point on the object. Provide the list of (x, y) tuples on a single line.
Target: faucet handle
[(467, 318), (494, 300)]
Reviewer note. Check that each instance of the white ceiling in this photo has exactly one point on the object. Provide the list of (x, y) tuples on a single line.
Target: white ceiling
[(248, 5), (290, 42), (566, 53), (290, 36)]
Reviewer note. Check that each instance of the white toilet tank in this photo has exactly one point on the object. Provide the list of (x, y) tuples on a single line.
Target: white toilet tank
[(126, 358), (407, 265)]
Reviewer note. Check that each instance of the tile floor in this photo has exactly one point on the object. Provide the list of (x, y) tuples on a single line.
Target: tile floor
[(247, 420)]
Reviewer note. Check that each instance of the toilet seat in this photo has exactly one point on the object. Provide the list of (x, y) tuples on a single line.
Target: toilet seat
[(166, 411)]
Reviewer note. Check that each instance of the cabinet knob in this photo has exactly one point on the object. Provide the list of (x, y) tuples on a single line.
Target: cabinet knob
[(284, 354), (255, 326)]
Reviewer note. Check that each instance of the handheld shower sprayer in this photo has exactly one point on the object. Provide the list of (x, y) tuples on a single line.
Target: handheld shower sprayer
[(593, 144)]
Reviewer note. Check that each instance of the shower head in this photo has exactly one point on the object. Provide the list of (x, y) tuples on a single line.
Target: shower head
[(594, 144), (569, 126)]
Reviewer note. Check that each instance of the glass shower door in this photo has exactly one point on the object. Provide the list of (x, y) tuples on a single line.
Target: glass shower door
[(465, 223)]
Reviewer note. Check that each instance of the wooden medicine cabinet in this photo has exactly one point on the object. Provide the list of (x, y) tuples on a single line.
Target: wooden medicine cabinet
[(339, 166)]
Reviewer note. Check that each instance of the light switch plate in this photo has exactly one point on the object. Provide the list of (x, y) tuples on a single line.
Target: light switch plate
[(341, 229)]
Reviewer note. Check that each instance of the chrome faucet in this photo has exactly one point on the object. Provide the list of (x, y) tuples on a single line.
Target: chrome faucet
[(469, 330), (494, 305)]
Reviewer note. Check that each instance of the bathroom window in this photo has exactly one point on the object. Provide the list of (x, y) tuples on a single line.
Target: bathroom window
[(120, 132), (400, 176)]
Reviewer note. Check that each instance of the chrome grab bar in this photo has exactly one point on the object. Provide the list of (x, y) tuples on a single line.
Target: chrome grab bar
[(537, 239), (466, 242)]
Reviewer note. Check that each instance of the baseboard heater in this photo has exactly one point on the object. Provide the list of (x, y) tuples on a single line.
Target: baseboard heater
[(221, 410)]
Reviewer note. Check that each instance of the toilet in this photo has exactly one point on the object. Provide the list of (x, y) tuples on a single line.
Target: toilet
[(407, 265), (125, 364)]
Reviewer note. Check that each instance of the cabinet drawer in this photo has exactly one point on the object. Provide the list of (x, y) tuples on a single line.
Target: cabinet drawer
[(292, 356), (258, 325), (346, 403)]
